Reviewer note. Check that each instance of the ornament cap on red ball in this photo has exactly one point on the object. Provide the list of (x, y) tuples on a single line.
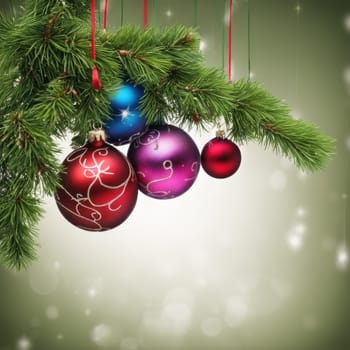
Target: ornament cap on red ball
[(220, 157)]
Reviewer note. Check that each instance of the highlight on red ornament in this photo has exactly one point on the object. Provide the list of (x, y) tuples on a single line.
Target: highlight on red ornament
[(220, 157), (98, 186)]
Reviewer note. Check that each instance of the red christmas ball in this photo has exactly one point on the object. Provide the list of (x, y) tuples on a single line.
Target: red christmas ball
[(220, 157), (98, 187)]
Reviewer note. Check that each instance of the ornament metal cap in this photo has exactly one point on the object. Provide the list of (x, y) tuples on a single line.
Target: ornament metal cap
[(220, 134), (97, 135)]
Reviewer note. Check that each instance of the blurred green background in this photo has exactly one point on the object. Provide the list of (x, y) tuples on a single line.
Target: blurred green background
[(254, 262)]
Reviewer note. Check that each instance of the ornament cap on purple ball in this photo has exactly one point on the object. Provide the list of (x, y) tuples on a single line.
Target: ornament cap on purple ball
[(166, 161), (220, 157)]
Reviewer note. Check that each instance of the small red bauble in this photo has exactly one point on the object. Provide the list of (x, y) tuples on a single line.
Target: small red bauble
[(220, 157), (98, 187)]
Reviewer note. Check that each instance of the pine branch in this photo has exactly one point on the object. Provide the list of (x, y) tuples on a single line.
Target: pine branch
[(258, 115), (19, 215)]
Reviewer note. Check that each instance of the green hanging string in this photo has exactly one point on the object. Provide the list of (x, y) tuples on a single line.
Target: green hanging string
[(121, 12), (195, 11), (249, 41), (297, 53), (153, 10), (99, 14)]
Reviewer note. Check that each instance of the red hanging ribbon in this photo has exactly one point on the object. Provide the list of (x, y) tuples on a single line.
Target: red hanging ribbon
[(105, 10), (145, 13), (96, 82), (230, 44)]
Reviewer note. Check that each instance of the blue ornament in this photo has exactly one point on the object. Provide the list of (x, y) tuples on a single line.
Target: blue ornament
[(128, 96), (127, 121), (125, 126)]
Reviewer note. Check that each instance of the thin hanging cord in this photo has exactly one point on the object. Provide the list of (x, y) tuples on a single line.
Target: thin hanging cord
[(154, 15), (105, 10), (195, 11), (145, 13), (230, 44), (297, 54), (96, 82), (121, 12), (223, 39), (249, 42)]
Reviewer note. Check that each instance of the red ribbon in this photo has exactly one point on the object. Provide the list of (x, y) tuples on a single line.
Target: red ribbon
[(230, 44), (105, 10), (96, 82), (145, 13)]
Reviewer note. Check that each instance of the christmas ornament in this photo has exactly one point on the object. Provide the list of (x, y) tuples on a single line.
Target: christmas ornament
[(166, 161), (127, 121), (99, 186), (220, 157)]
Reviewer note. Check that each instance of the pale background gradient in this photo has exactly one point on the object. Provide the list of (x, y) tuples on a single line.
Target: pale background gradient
[(247, 263)]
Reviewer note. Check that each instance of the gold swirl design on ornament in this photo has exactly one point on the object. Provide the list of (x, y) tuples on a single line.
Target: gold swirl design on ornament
[(150, 137), (167, 165), (194, 169), (94, 172)]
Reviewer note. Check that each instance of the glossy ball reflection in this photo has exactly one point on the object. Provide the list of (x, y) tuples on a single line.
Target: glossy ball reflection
[(166, 161), (220, 157), (127, 122)]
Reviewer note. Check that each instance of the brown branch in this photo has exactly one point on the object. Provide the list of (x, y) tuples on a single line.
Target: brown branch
[(48, 28)]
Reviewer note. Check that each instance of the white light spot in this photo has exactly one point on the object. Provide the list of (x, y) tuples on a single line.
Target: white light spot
[(278, 180), (129, 344), (301, 212), (298, 8), (57, 265), (202, 45), (295, 241), (24, 344), (252, 75), (168, 13), (344, 196), (52, 312), (87, 312), (92, 292), (101, 335), (59, 336), (342, 257), (347, 22), (347, 142), (296, 115), (300, 229), (211, 327), (125, 113)]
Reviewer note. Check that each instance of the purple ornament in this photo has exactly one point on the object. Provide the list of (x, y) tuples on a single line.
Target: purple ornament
[(166, 161)]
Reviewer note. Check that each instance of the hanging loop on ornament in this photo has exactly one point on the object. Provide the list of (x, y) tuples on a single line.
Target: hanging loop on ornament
[(97, 135), (220, 134)]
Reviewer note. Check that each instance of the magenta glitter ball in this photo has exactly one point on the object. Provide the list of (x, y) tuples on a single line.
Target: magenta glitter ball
[(220, 158), (166, 161)]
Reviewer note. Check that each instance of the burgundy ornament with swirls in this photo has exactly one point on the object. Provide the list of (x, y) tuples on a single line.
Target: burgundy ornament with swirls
[(98, 187)]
